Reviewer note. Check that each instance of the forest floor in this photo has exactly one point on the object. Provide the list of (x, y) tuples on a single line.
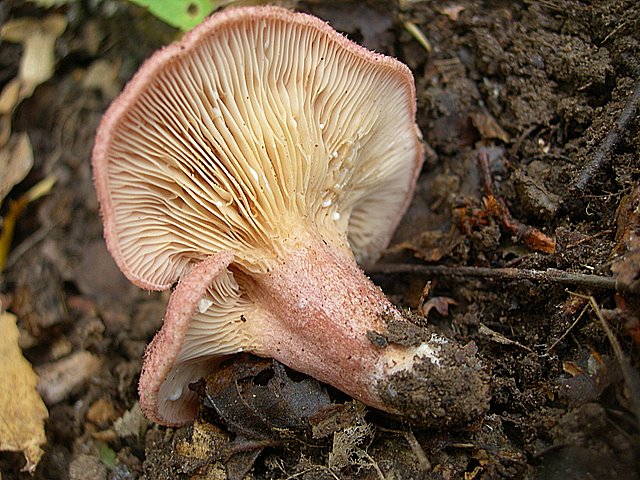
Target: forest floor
[(530, 110)]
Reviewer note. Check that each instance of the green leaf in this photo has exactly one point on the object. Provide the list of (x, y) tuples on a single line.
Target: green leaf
[(182, 14), (107, 456)]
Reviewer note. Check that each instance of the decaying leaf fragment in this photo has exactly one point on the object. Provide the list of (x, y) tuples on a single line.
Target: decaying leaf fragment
[(22, 411), (495, 205), (257, 399), (262, 405), (37, 63), (16, 161), (38, 37), (626, 262)]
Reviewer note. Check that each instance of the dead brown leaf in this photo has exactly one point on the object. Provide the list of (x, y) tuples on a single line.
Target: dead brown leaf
[(531, 237), (258, 399), (626, 266), (572, 368), (488, 127), (441, 304), (22, 411)]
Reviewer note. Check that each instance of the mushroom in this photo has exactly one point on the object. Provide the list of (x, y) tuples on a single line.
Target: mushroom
[(255, 163)]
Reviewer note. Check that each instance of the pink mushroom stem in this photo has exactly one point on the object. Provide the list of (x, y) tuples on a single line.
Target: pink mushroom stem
[(322, 315)]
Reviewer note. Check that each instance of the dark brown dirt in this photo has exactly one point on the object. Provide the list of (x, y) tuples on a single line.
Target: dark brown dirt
[(536, 86), (448, 395)]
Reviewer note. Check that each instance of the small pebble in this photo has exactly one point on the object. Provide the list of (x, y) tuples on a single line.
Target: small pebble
[(84, 467), (59, 379)]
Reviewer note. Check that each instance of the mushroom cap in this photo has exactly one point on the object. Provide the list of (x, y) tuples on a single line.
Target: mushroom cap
[(258, 120), (175, 357)]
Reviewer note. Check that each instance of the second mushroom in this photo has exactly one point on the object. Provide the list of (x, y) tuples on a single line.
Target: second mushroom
[(256, 162)]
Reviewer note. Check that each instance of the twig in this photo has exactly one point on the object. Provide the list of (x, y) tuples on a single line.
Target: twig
[(311, 469), (551, 275), (411, 439), (516, 146), (603, 153), (588, 239), (619, 27), (31, 241), (416, 448), (499, 338), (372, 463), (575, 322)]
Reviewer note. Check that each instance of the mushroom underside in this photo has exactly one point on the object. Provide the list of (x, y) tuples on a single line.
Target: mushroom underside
[(257, 121), (317, 313)]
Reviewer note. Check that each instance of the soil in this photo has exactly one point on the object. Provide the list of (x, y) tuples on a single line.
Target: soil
[(533, 163)]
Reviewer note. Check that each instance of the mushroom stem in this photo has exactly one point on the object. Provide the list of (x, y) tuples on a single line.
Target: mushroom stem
[(324, 317)]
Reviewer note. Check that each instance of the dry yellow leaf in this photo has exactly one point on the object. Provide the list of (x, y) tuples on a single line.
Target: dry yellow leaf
[(22, 411)]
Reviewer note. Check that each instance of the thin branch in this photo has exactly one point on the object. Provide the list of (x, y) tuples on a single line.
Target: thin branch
[(312, 469), (372, 463), (603, 153), (575, 322), (423, 461), (551, 275)]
